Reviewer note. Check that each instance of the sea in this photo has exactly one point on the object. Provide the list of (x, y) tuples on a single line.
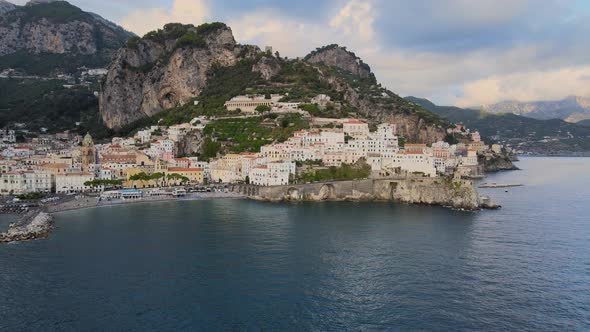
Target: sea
[(240, 265)]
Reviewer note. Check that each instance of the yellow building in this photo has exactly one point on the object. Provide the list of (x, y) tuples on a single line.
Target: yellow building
[(139, 184), (194, 175)]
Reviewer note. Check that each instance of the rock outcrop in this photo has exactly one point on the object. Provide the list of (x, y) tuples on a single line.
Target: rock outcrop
[(454, 193), (337, 56), (496, 162), (58, 28), (165, 69), (267, 67), (34, 225), (191, 143)]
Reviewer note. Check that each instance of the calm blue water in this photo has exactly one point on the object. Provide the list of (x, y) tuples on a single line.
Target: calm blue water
[(242, 265)]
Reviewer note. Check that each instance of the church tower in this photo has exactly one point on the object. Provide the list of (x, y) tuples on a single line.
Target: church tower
[(87, 153)]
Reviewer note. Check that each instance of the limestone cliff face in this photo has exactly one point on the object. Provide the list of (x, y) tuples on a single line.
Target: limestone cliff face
[(43, 36), (267, 67), (49, 27), (459, 194), (495, 162), (154, 75), (337, 56), (190, 143)]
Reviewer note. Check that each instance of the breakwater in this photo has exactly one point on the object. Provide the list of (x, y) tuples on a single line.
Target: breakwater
[(34, 225), (448, 192)]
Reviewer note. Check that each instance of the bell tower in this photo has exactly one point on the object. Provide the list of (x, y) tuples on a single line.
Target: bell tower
[(87, 153)]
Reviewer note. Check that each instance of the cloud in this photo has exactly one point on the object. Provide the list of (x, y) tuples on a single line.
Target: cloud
[(464, 52), (182, 11), (476, 75), (351, 26), (355, 19), (527, 86)]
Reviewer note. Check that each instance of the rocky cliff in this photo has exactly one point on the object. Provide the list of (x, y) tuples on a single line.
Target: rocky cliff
[(459, 194), (57, 34), (338, 56), (495, 162), (165, 69), (168, 68)]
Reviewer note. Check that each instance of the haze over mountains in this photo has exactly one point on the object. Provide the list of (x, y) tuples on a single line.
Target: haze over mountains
[(571, 109)]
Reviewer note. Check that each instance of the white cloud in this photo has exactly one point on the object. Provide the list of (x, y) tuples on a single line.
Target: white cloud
[(181, 11), (352, 26), (355, 20), (527, 86), (527, 70)]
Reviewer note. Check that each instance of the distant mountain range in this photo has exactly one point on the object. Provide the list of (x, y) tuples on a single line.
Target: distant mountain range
[(571, 109), (554, 136)]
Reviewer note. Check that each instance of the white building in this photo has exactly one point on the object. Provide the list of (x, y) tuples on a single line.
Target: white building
[(144, 136), (177, 132), (272, 174), (73, 182), (22, 182), (247, 103), (470, 159), (162, 149), (354, 128), (411, 162)]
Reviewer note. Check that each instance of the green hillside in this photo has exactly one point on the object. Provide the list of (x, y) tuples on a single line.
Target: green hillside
[(48, 104)]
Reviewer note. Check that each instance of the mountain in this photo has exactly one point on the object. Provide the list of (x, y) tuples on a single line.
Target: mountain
[(47, 104), (570, 109), (48, 37), (158, 76), (6, 6), (334, 55), (584, 123), (553, 136)]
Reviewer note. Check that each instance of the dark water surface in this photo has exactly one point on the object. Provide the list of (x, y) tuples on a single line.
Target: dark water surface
[(241, 265), (6, 220)]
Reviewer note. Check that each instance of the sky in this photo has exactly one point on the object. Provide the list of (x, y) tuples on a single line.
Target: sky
[(453, 52)]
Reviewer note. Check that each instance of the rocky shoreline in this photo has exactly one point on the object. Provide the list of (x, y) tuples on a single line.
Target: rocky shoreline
[(34, 225), (498, 162), (452, 193)]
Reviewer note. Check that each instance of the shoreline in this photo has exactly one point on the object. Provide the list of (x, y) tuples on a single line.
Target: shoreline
[(90, 202)]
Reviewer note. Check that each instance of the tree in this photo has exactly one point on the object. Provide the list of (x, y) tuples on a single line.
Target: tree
[(262, 109), (451, 139), (177, 177)]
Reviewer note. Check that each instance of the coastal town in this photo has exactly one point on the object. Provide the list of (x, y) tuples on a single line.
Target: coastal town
[(149, 163)]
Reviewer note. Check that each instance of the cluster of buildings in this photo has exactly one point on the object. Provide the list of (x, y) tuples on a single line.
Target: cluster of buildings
[(352, 140), (68, 163)]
